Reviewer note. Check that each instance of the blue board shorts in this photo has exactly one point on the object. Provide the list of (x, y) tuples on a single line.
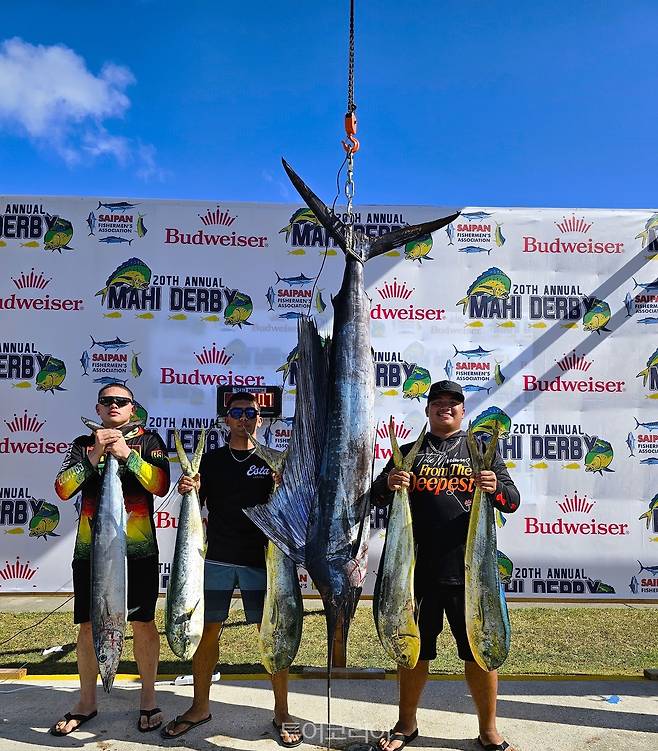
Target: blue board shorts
[(221, 579)]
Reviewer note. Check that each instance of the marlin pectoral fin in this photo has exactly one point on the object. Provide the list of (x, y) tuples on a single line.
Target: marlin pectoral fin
[(284, 518), (402, 236), (323, 213)]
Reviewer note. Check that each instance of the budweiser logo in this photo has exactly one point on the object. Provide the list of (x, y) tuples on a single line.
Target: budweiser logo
[(18, 570), (213, 356), (25, 424), (400, 430), (574, 362), (576, 503), (219, 217), (35, 281), (573, 224), (388, 290)]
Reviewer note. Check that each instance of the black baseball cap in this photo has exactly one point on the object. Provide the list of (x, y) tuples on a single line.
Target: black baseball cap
[(445, 387)]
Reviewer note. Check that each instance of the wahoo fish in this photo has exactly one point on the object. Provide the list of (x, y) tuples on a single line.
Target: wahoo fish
[(474, 388), (293, 314), (487, 619), (493, 282), (649, 320), (650, 426), (650, 460), (652, 362), (184, 604), (475, 216), (108, 608), (475, 249), (113, 240), (319, 514), (133, 273), (110, 379), (469, 353), (393, 603)]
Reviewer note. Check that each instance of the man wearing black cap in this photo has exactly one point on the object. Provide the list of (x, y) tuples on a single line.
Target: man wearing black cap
[(441, 488)]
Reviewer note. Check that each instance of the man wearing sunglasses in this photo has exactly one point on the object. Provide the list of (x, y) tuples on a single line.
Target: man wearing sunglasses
[(144, 472), (232, 478)]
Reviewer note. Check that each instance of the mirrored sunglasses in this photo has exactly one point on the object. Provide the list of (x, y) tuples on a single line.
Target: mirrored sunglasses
[(120, 401), (237, 412)]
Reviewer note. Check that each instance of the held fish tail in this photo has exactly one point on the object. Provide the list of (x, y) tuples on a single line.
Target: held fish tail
[(182, 456)]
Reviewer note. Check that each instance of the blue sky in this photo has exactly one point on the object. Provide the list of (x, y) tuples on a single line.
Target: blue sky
[(459, 103)]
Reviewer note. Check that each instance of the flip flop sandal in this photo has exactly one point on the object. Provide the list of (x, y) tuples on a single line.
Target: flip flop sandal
[(401, 737), (148, 713), (180, 721), (80, 718), (493, 746), (291, 728)]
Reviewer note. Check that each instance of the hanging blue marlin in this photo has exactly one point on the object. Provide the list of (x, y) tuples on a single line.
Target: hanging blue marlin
[(319, 515)]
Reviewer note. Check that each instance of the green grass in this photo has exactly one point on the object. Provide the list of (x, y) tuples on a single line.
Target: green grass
[(548, 641)]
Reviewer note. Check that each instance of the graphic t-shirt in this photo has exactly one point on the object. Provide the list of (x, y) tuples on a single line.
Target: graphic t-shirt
[(145, 473), (440, 496), (229, 483)]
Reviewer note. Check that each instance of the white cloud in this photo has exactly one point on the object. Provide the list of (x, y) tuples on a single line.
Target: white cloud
[(50, 97)]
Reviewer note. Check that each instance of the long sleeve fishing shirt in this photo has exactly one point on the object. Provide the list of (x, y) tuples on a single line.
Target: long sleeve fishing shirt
[(440, 496), (145, 473)]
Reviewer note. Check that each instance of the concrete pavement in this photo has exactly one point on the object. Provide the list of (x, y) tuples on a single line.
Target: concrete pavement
[(533, 715)]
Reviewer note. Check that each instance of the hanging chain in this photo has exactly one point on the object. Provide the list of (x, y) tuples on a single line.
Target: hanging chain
[(350, 129)]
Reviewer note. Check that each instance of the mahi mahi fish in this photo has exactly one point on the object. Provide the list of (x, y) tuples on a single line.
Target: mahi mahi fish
[(108, 568), (184, 606), (393, 603), (487, 619), (319, 515)]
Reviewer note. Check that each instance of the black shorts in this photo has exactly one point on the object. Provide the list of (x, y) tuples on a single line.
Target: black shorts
[(433, 602), (143, 576)]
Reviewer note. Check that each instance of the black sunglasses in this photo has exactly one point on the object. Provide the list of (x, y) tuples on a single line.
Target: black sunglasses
[(237, 412), (120, 401)]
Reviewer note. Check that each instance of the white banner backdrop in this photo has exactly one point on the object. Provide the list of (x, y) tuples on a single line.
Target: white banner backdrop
[(545, 315)]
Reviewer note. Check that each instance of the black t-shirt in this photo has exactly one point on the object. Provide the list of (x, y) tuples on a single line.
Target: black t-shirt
[(227, 486), (440, 497)]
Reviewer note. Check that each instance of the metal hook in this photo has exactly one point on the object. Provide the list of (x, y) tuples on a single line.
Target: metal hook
[(353, 146)]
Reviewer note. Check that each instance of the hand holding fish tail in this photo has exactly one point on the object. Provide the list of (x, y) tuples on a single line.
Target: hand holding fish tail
[(188, 484), (398, 479), (486, 480)]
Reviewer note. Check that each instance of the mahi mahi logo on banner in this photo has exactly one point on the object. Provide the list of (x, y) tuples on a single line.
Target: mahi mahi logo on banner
[(31, 223)]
